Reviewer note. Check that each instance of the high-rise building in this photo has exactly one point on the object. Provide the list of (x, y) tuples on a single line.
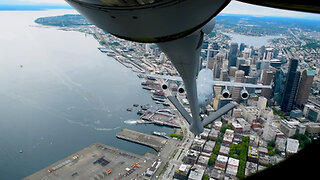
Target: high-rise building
[(232, 57), (246, 53), (261, 52), (250, 80), (232, 71), (268, 54), (267, 77), (265, 64), (305, 86), (242, 46), (218, 63), (262, 103), (224, 75), (241, 61), (245, 68), (291, 87), (205, 44), (239, 76), (279, 84)]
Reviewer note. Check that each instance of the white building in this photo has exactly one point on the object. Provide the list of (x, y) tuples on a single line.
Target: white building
[(292, 146), (196, 172), (232, 167), (262, 103)]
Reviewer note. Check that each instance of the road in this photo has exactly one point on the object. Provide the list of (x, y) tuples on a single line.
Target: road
[(182, 148)]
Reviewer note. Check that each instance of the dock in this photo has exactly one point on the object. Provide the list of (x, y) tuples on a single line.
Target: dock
[(98, 162), (154, 142)]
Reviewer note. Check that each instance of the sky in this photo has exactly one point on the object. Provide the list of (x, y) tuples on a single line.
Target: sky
[(234, 7)]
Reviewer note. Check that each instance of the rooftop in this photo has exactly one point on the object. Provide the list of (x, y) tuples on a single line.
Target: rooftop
[(292, 145)]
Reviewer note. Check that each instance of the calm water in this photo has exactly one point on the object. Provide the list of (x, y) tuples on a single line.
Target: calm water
[(254, 41), (66, 96)]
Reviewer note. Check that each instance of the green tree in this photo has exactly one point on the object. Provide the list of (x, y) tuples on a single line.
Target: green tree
[(224, 128), (206, 177), (212, 160), (302, 138), (244, 146), (216, 149), (272, 144)]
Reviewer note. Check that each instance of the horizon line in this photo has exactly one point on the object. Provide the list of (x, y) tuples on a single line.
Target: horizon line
[(46, 6)]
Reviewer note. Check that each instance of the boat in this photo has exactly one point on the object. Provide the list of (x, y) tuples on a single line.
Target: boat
[(21, 151), (145, 107), (129, 109), (161, 134), (140, 112), (135, 105)]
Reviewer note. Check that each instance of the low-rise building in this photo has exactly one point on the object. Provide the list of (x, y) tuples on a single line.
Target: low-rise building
[(236, 127), (251, 168), (191, 157), (281, 143), (203, 161), (217, 125), (183, 172), (206, 154), (221, 162), (204, 135), (224, 150), (262, 150), (232, 167), (245, 125), (208, 147), (253, 154), (254, 141), (217, 174), (196, 172), (214, 134), (250, 113), (292, 146), (198, 144), (313, 128), (264, 159), (287, 128), (228, 136), (237, 113)]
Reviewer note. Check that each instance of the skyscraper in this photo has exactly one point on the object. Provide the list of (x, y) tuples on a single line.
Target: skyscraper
[(218, 63), (239, 76), (232, 57), (305, 86), (279, 84), (250, 80), (291, 87), (224, 75), (245, 68), (267, 77)]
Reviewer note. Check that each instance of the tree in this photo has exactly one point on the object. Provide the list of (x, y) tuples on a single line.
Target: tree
[(272, 144), (206, 177), (303, 139), (244, 146), (216, 149), (224, 128), (212, 160)]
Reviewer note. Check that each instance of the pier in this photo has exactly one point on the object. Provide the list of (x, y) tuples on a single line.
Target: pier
[(145, 139)]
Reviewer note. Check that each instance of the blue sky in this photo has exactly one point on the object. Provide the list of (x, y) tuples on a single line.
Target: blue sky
[(233, 8)]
